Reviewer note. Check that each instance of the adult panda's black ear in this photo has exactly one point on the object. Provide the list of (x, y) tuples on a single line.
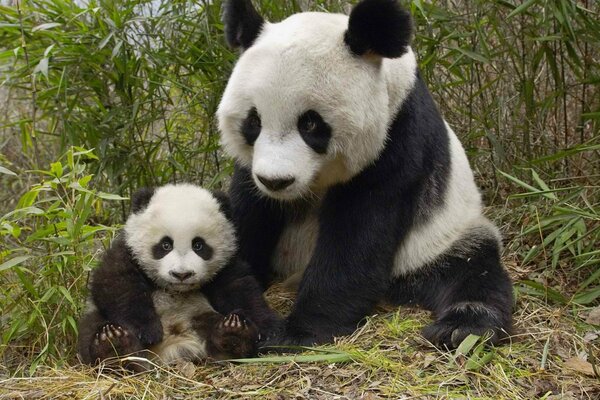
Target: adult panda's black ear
[(224, 203), (379, 27), (242, 23), (140, 199)]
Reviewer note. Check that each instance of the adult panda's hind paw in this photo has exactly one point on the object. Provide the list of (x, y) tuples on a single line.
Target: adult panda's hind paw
[(464, 319)]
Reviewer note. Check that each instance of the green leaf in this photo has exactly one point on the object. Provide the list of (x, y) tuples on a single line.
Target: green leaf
[(6, 171), (110, 196), (587, 297), (471, 54), (466, 345), (42, 67), (45, 27), (522, 8), (544, 291), (56, 169), (13, 262)]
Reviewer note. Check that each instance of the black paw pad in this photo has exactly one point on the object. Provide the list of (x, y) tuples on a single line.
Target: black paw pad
[(113, 341), (460, 321)]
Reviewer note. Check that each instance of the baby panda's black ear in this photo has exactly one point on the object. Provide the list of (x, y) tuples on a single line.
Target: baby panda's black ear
[(224, 203), (242, 23), (379, 27), (140, 199)]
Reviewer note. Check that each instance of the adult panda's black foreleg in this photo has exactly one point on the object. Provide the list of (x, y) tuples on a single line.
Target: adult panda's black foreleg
[(349, 271), (467, 289)]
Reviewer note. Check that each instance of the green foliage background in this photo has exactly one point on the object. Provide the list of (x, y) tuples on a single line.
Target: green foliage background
[(106, 96)]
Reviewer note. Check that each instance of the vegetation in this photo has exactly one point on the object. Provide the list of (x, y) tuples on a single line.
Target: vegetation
[(101, 97)]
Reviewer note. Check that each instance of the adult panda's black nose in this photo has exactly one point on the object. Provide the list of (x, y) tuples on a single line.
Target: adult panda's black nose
[(182, 276), (276, 184)]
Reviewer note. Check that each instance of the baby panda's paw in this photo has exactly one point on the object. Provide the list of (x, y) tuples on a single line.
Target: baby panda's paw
[(235, 336), (148, 330), (113, 341)]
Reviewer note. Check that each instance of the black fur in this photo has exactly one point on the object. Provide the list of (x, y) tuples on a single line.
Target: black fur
[(140, 199), (123, 293), (242, 23), (314, 131), (236, 289), (361, 224), (259, 222), (379, 27), (251, 126), (224, 203), (206, 251), (162, 248), (475, 280)]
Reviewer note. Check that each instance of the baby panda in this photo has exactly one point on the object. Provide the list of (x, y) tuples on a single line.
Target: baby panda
[(164, 285)]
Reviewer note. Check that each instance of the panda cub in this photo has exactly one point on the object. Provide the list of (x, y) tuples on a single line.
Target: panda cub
[(154, 291)]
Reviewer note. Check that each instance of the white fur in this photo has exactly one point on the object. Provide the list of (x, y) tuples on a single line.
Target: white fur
[(181, 212), (460, 215), (299, 64), (176, 311), (296, 246)]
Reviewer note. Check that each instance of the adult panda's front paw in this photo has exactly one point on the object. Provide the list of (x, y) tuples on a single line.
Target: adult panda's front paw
[(460, 321)]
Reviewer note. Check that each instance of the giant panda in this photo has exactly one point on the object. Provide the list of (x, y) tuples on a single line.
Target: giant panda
[(161, 287), (347, 176)]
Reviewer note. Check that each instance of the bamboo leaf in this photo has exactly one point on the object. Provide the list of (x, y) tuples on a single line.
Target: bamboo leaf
[(14, 262), (45, 27), (522, 8)]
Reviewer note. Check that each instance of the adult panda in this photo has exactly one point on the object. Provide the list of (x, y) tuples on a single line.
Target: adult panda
[(347, 174)]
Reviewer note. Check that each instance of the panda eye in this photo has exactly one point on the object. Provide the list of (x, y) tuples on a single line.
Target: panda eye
[(314, 131), (197, 244), (251, 126), (254, 121), (309, 122), (167, 244)]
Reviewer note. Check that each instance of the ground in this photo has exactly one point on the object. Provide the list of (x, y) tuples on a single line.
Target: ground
[(386, 358)]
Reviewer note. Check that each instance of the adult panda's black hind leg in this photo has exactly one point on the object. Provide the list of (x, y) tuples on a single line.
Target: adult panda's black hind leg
[(467, 289)]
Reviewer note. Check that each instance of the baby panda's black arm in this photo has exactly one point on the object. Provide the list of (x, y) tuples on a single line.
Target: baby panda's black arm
[(123, 294), (236, 289), (258, 221)]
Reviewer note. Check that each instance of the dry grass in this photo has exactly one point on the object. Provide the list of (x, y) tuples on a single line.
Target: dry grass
[(388, 359)]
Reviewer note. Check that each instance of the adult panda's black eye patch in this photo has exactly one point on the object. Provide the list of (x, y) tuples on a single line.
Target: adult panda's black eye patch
[(314, 131), (162, 248), (201, 248), (251, 126)]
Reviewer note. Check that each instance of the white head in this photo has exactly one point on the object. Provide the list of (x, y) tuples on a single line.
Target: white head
[(179, 235), (311, 98)]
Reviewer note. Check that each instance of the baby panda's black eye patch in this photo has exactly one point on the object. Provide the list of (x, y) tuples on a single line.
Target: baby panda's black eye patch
[(251, 126), (314, 131), (162, 248), (200, 247)]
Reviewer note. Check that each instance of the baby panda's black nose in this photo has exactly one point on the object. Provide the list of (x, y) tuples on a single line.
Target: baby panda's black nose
[(182, 276), (276, 183)]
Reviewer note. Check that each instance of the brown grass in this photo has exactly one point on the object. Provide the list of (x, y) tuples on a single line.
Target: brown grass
[(389, 360)]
